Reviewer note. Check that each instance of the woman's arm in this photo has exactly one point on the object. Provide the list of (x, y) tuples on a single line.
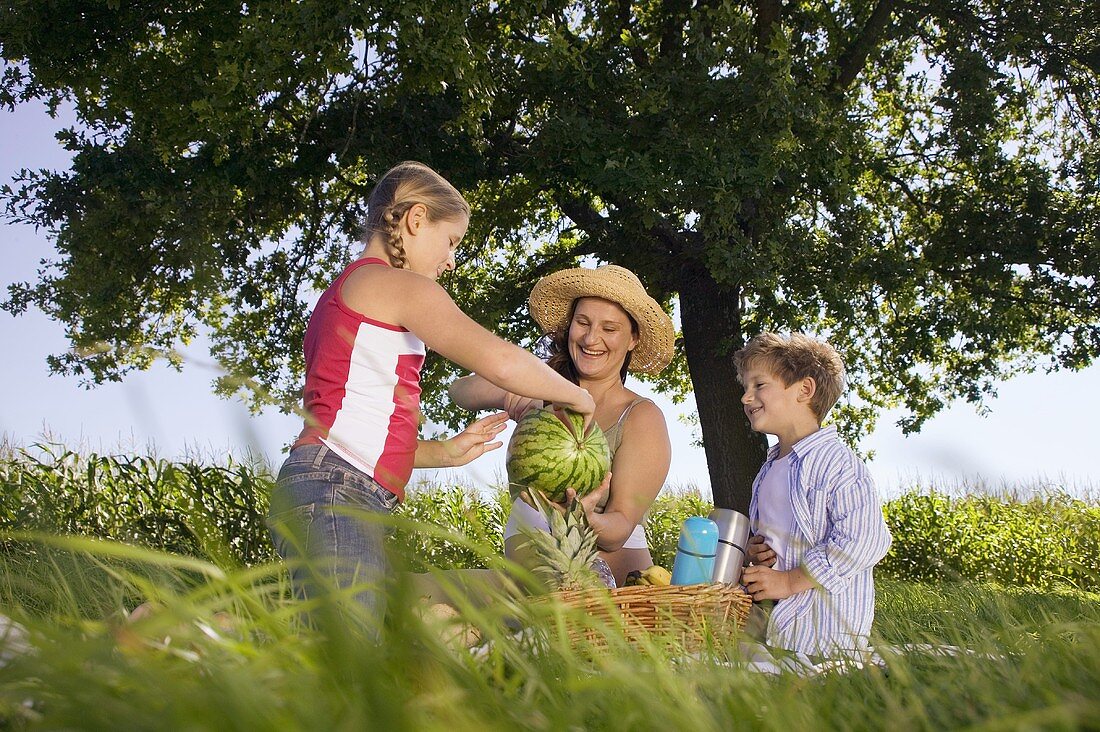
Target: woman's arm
[(475, 393), (637, 475)]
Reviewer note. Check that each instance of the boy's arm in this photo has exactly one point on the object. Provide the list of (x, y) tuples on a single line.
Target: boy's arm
[(857, 537)]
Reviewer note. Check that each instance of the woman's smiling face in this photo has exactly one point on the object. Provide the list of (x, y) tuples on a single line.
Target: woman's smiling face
[(600, 336)]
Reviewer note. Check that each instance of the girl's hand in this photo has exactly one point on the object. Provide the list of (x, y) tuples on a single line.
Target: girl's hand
[(584, 404), (474, 441), (760, 553)]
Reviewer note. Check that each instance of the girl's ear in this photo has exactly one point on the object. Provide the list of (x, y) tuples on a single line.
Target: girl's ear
[(414, 219)]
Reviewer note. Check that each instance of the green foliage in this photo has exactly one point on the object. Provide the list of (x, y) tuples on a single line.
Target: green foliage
[(1042, 542), (188, 508), (216, 512), (455, 510), (229, 652), (226, 648), (916, 181)]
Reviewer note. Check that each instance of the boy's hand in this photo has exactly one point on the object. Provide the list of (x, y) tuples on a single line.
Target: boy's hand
[(765, 583), (760, 553)]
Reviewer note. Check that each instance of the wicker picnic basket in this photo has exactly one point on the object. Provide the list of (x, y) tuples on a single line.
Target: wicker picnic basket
[(687, 613)]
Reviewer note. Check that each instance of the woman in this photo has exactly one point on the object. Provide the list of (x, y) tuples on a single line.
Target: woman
[(601, 324)]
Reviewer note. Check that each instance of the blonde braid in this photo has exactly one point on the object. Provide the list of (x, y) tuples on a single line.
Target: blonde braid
[(392, 219)]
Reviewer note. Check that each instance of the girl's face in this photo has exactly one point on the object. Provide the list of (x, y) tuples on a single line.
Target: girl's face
[(600, 336), (430, 245)]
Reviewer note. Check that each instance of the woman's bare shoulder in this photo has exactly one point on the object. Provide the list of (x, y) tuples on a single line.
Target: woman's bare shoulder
[(644, 411)]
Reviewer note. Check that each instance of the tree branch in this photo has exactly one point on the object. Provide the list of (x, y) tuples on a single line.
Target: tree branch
[(624, 16), (672, 39), (767, 13), (855, 56), (583, 215)]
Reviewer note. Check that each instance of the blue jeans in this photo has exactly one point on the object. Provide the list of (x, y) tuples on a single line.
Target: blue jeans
[(320, 520)]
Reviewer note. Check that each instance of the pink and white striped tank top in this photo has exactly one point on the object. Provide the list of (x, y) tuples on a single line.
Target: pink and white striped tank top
[(362, 390)]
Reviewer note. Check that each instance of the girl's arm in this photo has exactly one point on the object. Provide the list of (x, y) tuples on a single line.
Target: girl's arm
[(421, 305), (637, 475), (473, 442)]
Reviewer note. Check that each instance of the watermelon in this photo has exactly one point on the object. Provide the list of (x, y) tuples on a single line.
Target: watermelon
[(547, 455)]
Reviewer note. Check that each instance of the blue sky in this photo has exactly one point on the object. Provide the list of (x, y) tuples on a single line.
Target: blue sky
[(1039, 429)]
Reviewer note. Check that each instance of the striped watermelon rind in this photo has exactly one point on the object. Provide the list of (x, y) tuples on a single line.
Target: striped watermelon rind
[(544, 454)]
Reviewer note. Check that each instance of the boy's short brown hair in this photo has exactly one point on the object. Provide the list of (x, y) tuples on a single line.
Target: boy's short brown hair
[(794, 358)]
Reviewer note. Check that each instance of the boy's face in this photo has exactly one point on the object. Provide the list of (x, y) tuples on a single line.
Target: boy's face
[(771, 406)]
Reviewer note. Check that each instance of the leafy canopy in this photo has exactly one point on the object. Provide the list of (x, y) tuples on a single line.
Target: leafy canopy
[(917, 182)]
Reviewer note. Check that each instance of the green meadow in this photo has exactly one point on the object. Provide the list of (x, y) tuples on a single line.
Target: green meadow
[(988, 617)]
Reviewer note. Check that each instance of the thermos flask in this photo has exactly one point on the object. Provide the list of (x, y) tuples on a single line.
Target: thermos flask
[(695, 550), (733, 539)]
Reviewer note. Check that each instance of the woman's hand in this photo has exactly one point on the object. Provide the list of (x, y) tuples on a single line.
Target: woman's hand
[(760, 553), (474, 441), (517, 405), (588, 503), (593, 499)]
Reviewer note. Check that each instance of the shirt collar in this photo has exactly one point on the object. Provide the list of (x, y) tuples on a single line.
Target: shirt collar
[(805, 446)]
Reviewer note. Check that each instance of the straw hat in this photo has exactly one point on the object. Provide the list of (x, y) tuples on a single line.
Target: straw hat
[(553, 295)]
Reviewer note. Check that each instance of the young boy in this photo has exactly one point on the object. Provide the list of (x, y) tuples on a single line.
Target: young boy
[(816, 517)]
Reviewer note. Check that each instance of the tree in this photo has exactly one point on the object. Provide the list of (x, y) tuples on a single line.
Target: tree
[(917, 182)]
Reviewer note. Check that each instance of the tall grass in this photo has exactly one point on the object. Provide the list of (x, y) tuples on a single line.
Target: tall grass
[(1043, 541), (87, 538), (182, 507), (1031, 660), (216, 511)]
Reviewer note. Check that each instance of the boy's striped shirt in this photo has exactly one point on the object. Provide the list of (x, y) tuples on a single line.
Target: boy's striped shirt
[(839, 534)]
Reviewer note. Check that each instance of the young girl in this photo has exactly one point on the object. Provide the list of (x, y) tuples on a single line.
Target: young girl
[(364, 347)]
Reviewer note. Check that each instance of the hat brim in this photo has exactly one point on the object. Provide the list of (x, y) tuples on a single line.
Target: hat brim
[(552, 297)]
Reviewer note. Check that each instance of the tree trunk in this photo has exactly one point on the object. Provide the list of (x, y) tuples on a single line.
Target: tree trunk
[(711, 321)]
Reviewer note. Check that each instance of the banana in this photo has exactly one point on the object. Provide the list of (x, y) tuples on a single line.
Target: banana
[(633, 578), (657, 576)]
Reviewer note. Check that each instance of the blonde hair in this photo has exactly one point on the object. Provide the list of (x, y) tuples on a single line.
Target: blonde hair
[(794, 358), (402, 187)]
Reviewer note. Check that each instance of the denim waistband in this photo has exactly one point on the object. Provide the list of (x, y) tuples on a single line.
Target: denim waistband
[(308, 464)]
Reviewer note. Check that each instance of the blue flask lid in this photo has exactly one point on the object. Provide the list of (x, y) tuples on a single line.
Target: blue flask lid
[(701, 534)]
